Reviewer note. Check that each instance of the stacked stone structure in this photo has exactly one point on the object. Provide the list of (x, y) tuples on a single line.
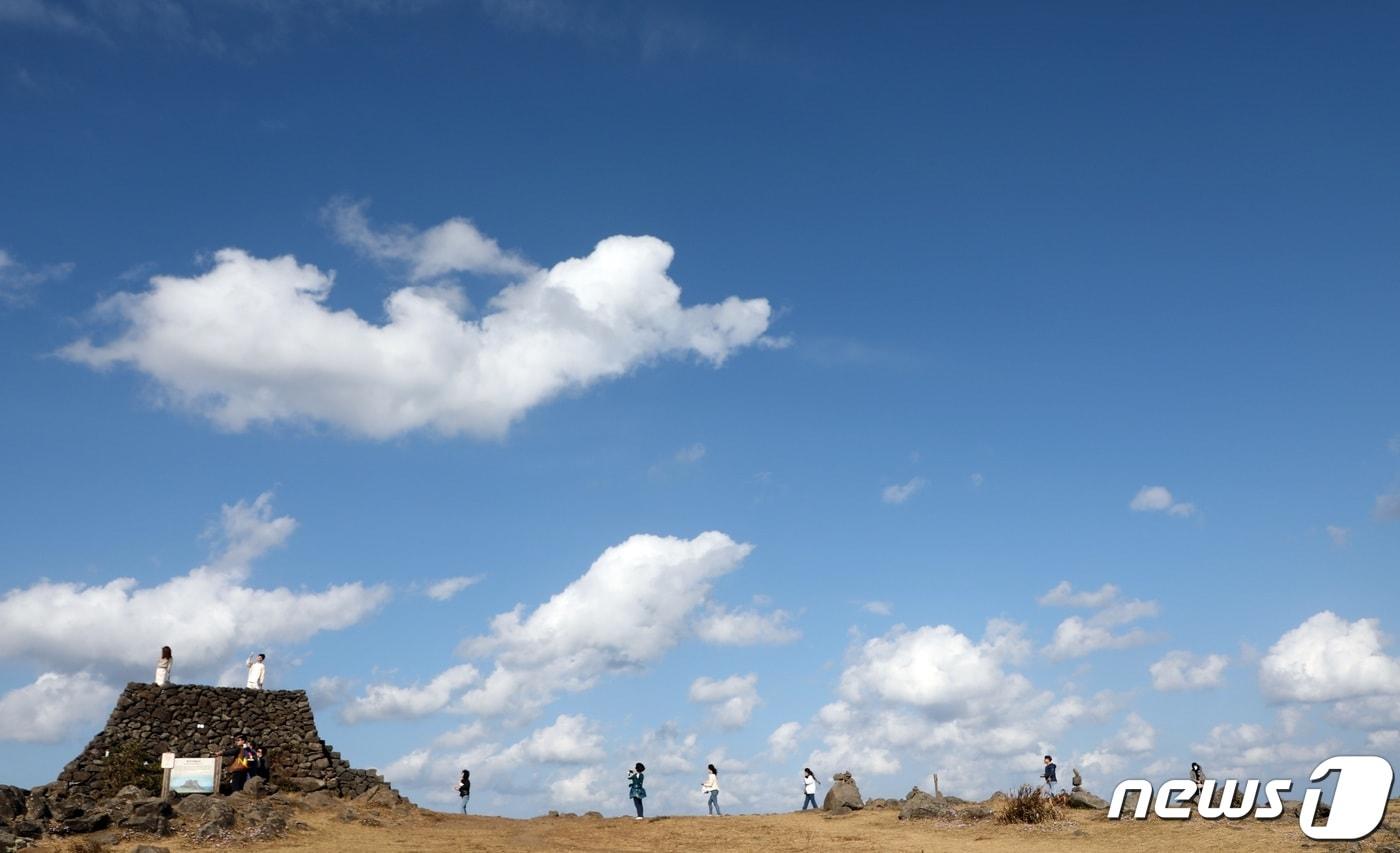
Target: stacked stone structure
[(193, 720)]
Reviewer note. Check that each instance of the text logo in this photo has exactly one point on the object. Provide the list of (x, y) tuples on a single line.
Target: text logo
[(1358, 803)]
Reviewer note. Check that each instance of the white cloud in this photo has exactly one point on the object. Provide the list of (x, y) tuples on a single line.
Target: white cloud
[(18, 281), (119, 626), (879, 608), (1236, 750), (1339, 535), (1063, 595), (976, 480), (53, 707), (693, 453), (939, 700), (386, 701), (444, 589), (570, 739), (454, 246), (1075, 637), (631, 606), (1326, 659), (1159, 499), (330, 690), (731, 700), (579, 788), (783, 740), (1387, 507), (901, 492), (1181, 670), (738, 627), (254, 341)]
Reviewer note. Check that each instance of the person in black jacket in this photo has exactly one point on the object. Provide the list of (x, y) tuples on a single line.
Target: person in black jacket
[(464, 789), (1049, 777)]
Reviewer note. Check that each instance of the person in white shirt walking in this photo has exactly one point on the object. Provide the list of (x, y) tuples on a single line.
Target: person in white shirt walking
[(257, 671), (809, 787), (167, 660), (711, 787)]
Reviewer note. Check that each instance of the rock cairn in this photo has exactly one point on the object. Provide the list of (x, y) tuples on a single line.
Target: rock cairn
[(843, 795)]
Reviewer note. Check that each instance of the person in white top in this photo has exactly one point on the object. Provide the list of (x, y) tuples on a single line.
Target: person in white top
[(809, 787), (257, 671), (711, 787), (163, 666)]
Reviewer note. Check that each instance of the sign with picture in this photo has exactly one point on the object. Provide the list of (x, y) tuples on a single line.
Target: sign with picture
[(193, 776)]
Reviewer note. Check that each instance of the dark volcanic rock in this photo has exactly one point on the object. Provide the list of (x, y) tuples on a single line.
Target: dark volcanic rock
[(920, 806)]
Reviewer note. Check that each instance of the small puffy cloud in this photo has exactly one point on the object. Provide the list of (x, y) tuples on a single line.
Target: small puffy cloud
[(879, 608), (632, 605), (387, 701), (1159, 499), (1235, 750), (570, 739), (1327, 659), (1340, 536), (1181, 670), (731, 701), (723, 626), (446, 588), (976, 480), (578, 788), (783, 740), (901, 492), (54, 707), (330, 690), (1076, 637), (119, 626), (1387, 507), (1063, 595), (689, 455), (18, 281), (454, 246), (255, 341)]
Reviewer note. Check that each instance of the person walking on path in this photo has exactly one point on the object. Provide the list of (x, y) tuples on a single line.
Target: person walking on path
[(1049, 776), (257, 671), (464, 789), (635, 790), (711, 787), (163, 666), (809, 788)]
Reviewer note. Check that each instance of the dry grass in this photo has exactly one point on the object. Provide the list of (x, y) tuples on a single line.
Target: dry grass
[(1028, 805), (862, 832)]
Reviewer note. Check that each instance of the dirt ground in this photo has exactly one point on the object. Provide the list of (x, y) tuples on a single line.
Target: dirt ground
[(328, 830)]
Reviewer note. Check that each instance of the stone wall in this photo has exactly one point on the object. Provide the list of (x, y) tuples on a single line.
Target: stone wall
[(193, 720)]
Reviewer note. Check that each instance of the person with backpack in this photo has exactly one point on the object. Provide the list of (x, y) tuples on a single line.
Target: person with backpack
[(635, 789), (1049, 776), (809, 788), (711, 787), (464, 789)]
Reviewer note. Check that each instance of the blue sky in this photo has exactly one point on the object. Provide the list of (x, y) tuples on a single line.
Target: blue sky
[(998, 270)]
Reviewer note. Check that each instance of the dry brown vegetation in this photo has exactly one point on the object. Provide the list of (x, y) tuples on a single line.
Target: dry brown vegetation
[(378, 830)]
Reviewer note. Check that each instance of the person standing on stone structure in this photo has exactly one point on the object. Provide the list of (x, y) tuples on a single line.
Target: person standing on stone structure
[(163, 666), (257, 671), (809, 788)]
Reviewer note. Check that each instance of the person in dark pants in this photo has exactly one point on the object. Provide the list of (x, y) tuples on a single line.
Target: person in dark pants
[(809, 789), (258, 766), (238, 760), (634, 787), (464, 789)]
